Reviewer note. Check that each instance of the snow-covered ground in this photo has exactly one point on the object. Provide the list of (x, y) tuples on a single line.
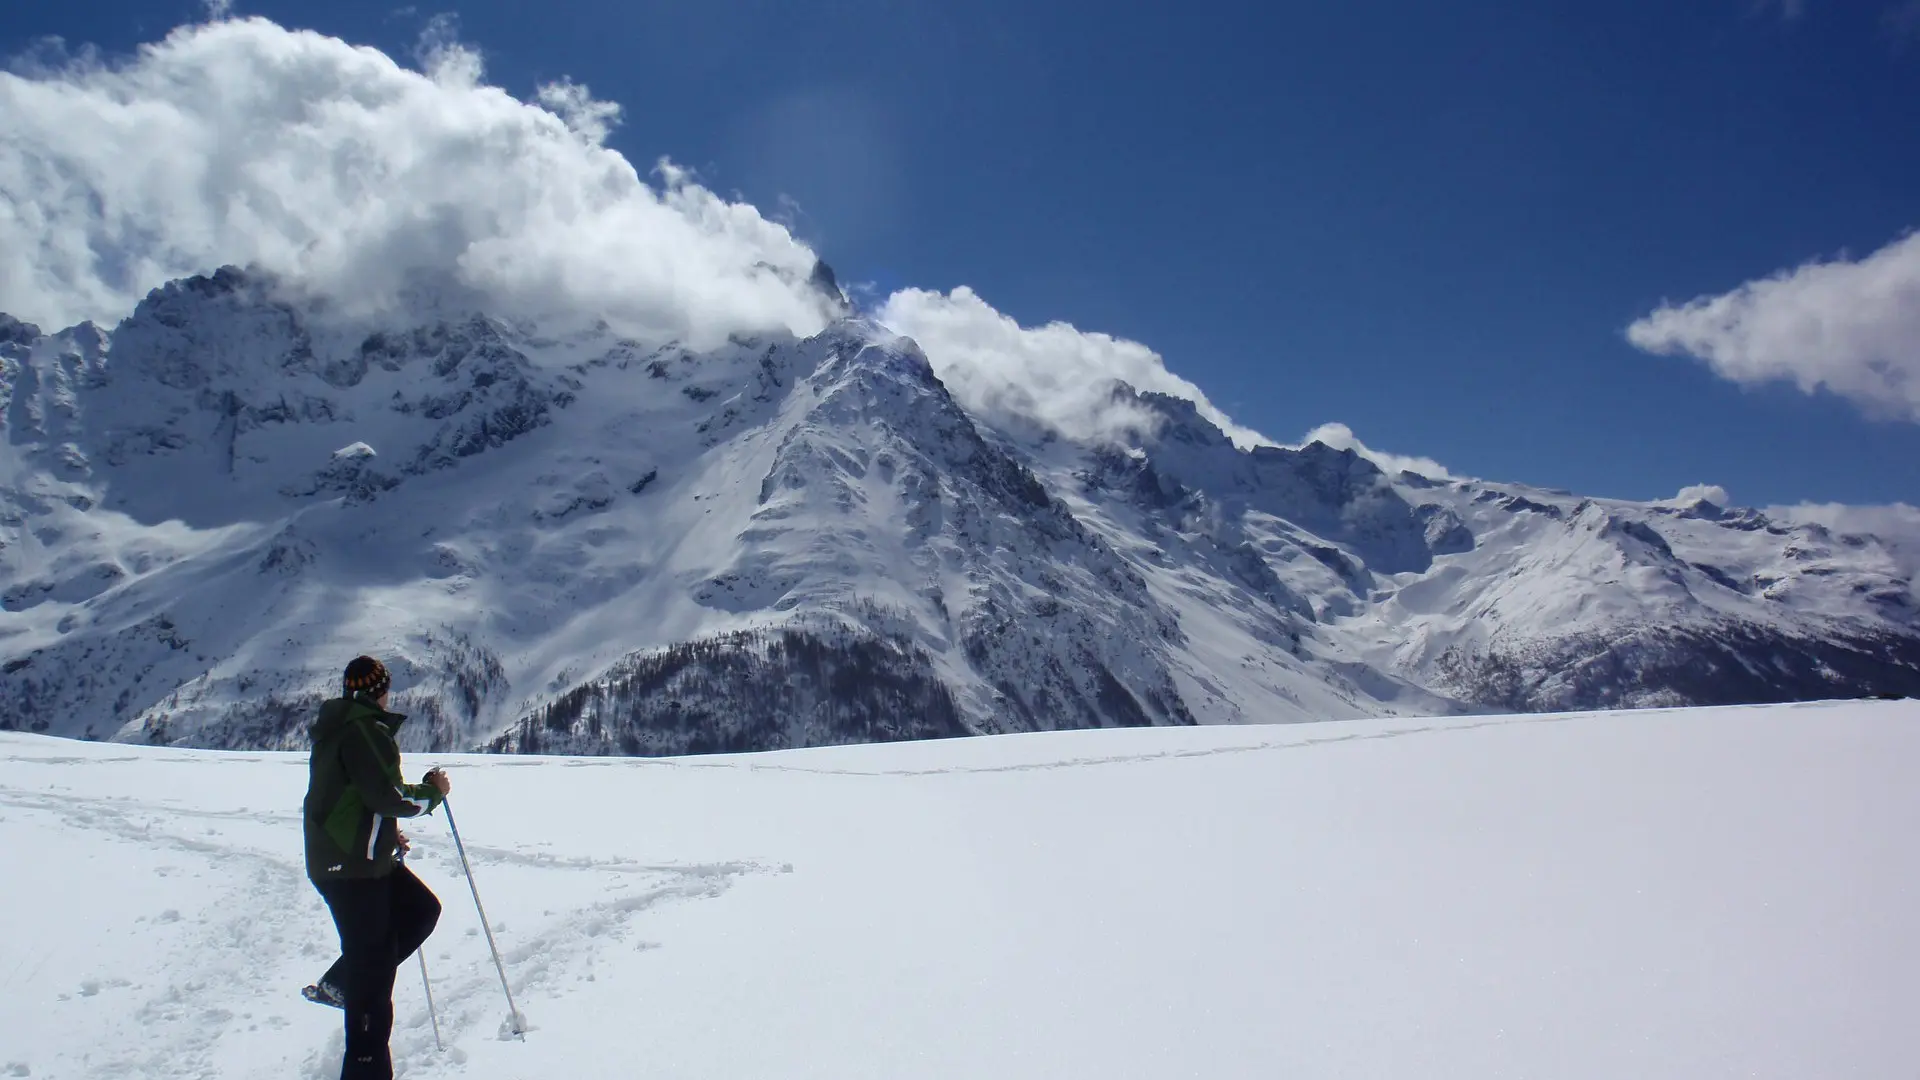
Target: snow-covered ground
[(1684, 894)]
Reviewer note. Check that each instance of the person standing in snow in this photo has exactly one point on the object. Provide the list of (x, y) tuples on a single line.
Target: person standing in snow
[(355, 798)]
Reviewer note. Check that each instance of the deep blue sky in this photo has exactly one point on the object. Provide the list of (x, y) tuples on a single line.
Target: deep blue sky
[(1431, 222)]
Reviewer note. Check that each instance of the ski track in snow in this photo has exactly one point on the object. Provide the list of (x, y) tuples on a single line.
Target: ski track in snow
[(215, 984), (1169, 755), (177, 1024), (769, 762)]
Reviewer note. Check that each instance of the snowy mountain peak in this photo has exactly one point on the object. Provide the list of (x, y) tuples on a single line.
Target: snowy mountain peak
[(570, 539), (862, 345), (17, 334), (824, 282), (1332, 494)]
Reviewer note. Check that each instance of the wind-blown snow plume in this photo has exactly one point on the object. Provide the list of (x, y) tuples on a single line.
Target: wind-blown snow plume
[(1057, 374), (1846, 326), (1694, 493), (1341, 437), (240, 141)]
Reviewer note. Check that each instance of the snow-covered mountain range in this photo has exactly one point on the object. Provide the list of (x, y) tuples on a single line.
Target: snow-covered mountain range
[(567, 540)]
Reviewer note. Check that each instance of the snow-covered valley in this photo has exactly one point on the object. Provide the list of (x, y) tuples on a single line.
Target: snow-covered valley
[(1685, 894)]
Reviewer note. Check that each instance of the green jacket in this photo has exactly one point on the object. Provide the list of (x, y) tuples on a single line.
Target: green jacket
[(354, 792)]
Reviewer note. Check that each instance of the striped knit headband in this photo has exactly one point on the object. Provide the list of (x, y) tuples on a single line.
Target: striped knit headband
[(368, 676)]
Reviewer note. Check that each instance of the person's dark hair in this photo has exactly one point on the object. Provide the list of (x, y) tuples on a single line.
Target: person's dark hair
[(365, 678)]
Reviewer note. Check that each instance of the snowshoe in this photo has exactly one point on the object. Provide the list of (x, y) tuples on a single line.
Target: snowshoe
[(325, 993)]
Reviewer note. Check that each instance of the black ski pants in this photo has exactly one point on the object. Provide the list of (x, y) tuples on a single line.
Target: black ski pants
[(381, 922)]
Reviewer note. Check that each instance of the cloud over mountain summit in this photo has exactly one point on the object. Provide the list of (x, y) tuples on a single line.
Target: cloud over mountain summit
[(348, 175)]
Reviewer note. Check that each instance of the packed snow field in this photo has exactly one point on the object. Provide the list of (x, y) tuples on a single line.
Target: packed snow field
[(1684, 894)]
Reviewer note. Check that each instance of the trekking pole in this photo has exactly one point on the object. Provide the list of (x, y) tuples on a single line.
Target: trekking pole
[(401, 857), (512, 1010), (431, 1014)]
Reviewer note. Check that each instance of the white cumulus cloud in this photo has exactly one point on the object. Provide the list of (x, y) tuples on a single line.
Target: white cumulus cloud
[(1341, 437), (1848, 326), (1056, 374), (355, 177), (239, 141)]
